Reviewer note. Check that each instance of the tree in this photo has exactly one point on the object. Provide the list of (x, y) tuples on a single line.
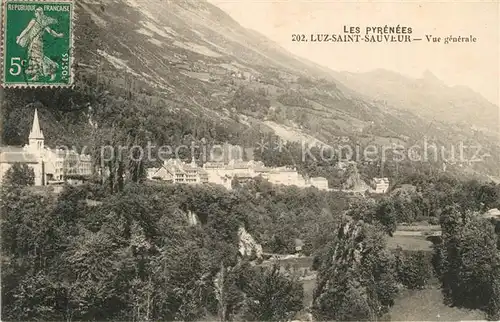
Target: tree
[(229, 283), (413, 269), (383, 211), (469, 261), (31, 245), (356, 275), (271, 296), (19, 174)]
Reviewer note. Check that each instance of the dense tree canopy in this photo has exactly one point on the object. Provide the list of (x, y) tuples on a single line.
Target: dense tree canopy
[(132, 254), (469, 261), (128, 256), (19, 174), (356, 275)]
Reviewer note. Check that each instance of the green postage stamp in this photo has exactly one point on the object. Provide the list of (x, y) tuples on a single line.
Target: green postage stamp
[(37, 43)]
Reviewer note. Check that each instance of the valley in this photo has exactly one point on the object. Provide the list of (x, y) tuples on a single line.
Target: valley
[(401, 222)]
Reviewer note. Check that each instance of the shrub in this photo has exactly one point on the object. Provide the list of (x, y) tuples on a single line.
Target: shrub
[(414, 269)]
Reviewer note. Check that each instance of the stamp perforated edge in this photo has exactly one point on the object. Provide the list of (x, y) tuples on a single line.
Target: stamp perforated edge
[(3, 84)]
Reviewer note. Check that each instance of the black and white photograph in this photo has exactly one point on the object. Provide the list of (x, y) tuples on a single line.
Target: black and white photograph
[(249, 160)]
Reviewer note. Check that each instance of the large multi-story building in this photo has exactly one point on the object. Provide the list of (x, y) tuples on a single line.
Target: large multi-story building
[(176, 171), (318, 182), (221, 173), (49, 165), (286, 176)]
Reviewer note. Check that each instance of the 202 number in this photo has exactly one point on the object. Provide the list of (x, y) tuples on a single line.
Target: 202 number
[(299, 37), (16, 64)]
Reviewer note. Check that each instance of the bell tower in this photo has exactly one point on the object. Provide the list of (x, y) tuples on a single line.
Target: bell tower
[(36, 139)]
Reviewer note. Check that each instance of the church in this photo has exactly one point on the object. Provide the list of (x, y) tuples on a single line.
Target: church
[(50, 166)]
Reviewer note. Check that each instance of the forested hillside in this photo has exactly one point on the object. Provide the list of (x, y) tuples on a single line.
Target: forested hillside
[(121, 247), (88, 253), (172, 72)]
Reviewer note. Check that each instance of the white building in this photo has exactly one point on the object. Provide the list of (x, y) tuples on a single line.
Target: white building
[(49, 165), (318, 182), (176, 171), (286, 176), (12, 155), (218, 174), (381, 185)]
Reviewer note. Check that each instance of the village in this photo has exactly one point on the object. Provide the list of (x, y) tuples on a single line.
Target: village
[(55, 167), (50, 166)]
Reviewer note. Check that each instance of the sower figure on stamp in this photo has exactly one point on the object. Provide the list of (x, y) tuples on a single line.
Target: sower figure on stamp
[(32, 37)]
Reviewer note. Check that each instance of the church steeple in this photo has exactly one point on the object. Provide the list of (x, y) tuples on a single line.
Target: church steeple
[(36, 132), (36, 139)]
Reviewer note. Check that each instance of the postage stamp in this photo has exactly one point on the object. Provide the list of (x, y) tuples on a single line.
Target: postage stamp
[(37, 43)]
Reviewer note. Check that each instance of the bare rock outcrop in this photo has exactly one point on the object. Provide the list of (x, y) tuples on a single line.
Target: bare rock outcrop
[(248, 247)]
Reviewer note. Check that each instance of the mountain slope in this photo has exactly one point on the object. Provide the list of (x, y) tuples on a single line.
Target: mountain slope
[(190, 51), (184, 70), (427, 96), (153, 35)]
